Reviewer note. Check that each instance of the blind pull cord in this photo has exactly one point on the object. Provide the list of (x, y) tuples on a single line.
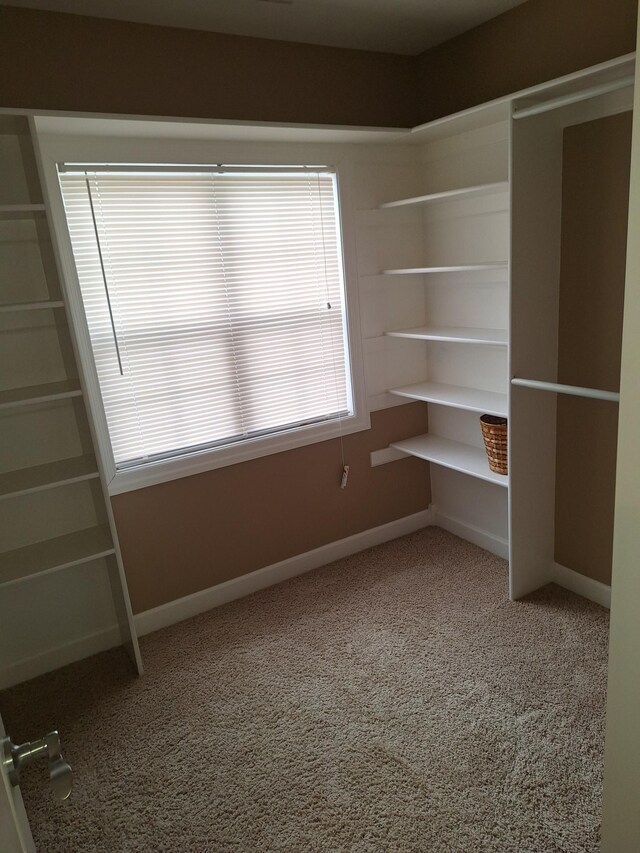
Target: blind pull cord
[(104, 278)]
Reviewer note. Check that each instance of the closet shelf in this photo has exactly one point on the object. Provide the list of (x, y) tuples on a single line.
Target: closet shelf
[(30, 306), (457, 397), (55, 554), (465, 192), (456, 334), (451, 454), (39, 393), (499, 265), (20, 211), (38, 478)]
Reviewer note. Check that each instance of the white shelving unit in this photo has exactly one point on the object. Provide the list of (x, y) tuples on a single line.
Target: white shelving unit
[(487, 320), (461, 231), (56, 514)]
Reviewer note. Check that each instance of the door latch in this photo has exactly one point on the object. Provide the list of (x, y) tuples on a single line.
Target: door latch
[(16, 758)]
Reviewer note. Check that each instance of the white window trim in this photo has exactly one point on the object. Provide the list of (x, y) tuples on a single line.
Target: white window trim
[(69, 145)]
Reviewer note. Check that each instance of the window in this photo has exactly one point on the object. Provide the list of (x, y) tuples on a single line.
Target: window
[(215, 304)]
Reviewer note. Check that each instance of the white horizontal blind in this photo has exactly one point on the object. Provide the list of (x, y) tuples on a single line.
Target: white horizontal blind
[(214, 302)]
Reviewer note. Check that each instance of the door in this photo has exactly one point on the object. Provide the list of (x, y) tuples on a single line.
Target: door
[(621, 815), (15, 835)]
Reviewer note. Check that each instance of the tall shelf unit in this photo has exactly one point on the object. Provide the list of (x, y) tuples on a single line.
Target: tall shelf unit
[(485, 217), (460, 218), (58, 544)]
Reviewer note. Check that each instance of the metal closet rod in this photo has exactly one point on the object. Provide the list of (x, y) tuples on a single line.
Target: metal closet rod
[(574, 97), (573, 390)]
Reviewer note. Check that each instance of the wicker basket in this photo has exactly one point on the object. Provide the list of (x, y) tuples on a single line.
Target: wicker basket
[(494, 433)]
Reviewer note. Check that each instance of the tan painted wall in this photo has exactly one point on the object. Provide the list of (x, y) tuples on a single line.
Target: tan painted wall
[(536, 41), (595, 201), (189, 534), (72, 62)]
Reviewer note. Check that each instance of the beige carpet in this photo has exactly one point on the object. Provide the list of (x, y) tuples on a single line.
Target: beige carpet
[(393, 701)]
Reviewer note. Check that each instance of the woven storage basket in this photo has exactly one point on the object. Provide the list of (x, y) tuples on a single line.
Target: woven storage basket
[(494, 433)]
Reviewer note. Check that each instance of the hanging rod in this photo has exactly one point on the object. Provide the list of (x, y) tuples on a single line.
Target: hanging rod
[(574, 97), (573, 390)]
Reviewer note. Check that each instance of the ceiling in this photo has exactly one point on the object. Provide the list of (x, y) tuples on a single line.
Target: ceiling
[(394, 26)]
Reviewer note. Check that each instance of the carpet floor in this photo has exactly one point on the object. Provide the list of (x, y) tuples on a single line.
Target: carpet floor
[(392, 701)]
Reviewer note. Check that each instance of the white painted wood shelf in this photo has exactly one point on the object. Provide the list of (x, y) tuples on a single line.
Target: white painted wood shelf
[(457, 397), (497, 265), (451, 454), (62, 472), (455, 334), (449, 195), (12, 307), (20, 211), (50, 555), (39, 393)]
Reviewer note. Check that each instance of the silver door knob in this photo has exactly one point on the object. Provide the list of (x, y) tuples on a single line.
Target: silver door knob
[(16, 758)]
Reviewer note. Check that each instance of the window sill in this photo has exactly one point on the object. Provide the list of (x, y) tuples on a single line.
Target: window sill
[(152, 474)]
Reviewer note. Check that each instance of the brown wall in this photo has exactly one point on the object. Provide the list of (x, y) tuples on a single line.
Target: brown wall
[(71, 62), (536, 41), (189, 534), (595, 200)]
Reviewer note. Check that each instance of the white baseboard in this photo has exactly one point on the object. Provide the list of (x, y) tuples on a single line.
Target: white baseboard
[(582, 585), (191, 605), (214, 596), (489, 541)]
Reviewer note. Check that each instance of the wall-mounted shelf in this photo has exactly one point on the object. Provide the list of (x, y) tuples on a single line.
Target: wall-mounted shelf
[(455, 334), (448, 195), (31, 306), (20, 211), (451, 454), (38, 478), (457, 397), (39, 393), (55, 554), (499, 265)]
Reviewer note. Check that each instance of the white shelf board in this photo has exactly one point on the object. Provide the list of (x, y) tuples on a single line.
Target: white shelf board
[(448, 195), (20, 211), (457, 397), (39, 393), (62, 472), (30, 306), (55, 554), (455, 334), (451, 454), (500, 265)]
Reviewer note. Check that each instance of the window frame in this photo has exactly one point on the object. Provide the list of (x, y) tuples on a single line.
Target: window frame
[(115, 144)]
